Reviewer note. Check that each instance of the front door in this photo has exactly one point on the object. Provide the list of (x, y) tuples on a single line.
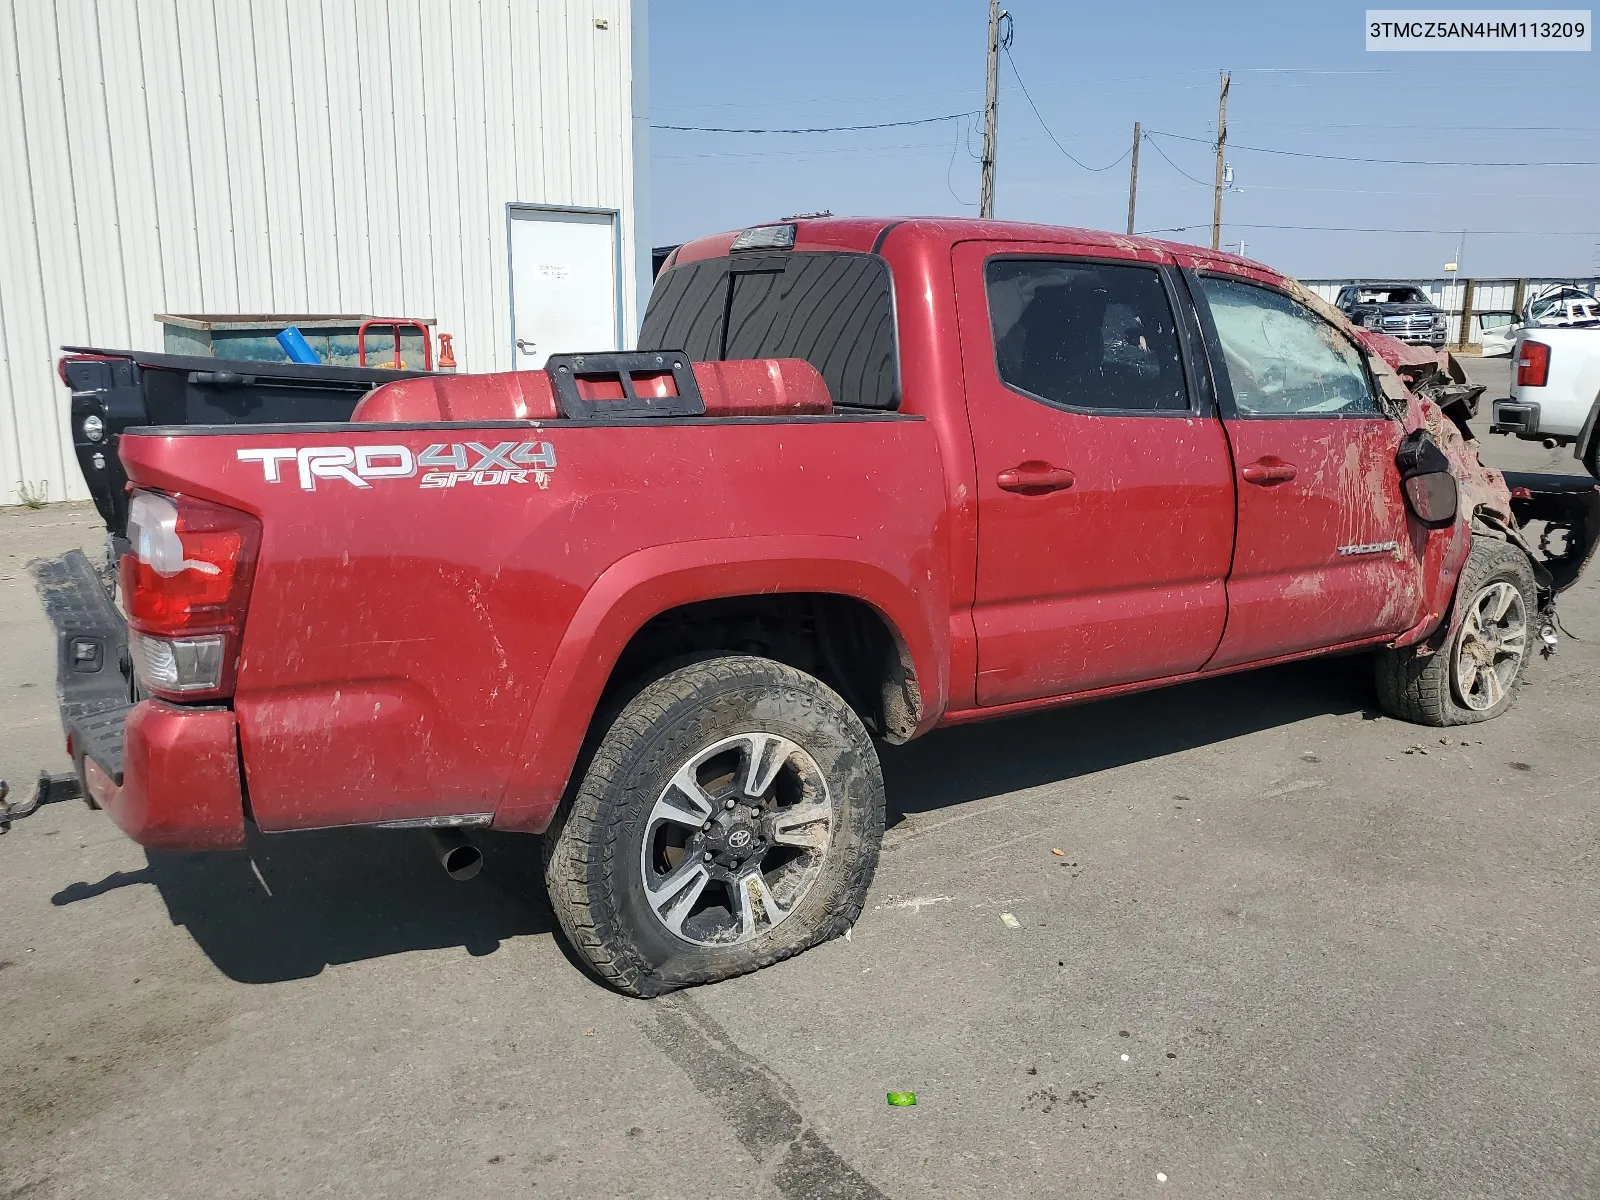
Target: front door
[(563, 284), (1326, 554), (1105, 493)]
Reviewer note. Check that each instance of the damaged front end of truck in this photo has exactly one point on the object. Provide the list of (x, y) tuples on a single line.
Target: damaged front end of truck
[(1553, 519)]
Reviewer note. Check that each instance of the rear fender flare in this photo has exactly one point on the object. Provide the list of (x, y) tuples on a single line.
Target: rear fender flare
[(649, 582)]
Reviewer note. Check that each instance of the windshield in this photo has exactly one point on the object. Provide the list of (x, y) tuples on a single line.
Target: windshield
[(1391, 295)]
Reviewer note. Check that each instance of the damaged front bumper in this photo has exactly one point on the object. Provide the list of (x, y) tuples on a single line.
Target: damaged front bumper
[(1567, 509)]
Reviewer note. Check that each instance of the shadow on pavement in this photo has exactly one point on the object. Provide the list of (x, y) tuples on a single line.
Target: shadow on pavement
[(972, 762), (289, 905)]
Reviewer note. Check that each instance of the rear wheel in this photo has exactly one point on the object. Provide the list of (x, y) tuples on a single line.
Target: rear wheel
[(1474, 676), (730, 817), (1591, 460)]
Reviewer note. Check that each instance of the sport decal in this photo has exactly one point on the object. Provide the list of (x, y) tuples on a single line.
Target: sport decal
[(441, 465)]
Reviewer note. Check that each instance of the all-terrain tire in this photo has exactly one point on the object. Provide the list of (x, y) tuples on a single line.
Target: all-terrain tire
[(592, 851), (1424, 689)]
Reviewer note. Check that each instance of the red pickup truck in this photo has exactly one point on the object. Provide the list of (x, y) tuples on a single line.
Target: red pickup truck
[(867, 477)]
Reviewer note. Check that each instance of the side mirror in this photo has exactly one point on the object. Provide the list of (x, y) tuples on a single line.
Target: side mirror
[(1433, 498), (1430, 486)]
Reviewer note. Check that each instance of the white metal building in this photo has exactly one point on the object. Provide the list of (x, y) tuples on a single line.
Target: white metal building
[(480, 162)]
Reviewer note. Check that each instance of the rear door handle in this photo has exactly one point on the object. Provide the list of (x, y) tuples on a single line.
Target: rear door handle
[(1036, 478), (1268, 471)]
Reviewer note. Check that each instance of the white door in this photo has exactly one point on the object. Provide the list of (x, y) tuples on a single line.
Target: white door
[(563, 284)]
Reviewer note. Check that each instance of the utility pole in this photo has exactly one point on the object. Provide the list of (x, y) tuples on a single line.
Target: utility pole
[(991, 113), (1133, 178), (1222, 142)]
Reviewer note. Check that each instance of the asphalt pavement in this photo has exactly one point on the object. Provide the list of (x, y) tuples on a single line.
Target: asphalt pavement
[(1289, 947)]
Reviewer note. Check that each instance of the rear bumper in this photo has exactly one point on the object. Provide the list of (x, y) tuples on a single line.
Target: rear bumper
[(1515, 416), (167, 774), (178, 784)]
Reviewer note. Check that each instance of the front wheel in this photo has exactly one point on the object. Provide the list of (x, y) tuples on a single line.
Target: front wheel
[(729, 818), (1474, 676)]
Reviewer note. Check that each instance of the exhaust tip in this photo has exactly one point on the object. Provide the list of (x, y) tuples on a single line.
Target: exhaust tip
[(462, 863), (1550, 443), (460, 859)]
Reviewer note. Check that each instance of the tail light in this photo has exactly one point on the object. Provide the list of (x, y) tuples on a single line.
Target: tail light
[(185, 585), (1533, 365)]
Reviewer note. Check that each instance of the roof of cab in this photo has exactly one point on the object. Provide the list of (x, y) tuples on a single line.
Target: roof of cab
[(867, 234)]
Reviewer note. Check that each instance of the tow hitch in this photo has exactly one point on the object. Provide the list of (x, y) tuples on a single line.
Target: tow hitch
[(51, 789)]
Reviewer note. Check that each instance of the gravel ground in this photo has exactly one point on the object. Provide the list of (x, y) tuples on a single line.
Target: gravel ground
[(1291, 947)]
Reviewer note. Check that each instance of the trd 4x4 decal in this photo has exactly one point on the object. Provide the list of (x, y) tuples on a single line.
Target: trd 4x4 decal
[(459, 462)]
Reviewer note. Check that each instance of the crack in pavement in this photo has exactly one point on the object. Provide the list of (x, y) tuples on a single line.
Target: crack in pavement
[(762, 1109)]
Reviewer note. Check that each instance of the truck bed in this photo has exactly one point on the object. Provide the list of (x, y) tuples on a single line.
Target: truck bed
[(430, 643), (123, 389)]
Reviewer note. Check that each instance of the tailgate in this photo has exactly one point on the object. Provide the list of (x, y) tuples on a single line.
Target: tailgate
[(92, 673)]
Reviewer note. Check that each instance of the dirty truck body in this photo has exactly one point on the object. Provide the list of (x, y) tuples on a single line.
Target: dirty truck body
[(867, 478)]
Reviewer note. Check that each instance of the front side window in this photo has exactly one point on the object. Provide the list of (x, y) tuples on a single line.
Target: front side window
[(1282, 359), (1086, 335)]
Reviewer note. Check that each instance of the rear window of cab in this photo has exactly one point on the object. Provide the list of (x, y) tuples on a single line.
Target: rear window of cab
[(834, 309)]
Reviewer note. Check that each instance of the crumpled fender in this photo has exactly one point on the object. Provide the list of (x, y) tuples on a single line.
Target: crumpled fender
[(1483, 490)]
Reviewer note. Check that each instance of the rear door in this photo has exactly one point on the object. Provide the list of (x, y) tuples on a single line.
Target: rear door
[(1105, 493), (1326, 553)]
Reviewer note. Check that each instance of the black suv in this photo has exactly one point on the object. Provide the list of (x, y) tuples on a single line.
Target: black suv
[(1401, 310)]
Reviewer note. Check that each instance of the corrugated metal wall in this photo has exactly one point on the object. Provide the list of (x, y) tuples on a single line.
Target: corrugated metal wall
[(311, 156)]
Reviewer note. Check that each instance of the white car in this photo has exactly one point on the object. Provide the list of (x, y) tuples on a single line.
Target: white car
[(1556, 308), (1497, 333), (1555, 391)]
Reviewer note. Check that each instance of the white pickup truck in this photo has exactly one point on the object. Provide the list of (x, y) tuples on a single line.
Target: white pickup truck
[(1555, 391), (1561, 306)]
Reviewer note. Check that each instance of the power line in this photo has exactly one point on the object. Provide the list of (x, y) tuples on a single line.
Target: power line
[(946, 92), (950, 166), (1358, 229), (1394, 162), (1391, 126), (1156, 146), (1383, 70), (818, 128), (1540, 73), (1046, 128)]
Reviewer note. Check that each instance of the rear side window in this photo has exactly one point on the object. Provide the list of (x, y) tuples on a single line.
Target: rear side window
[(1086, 335), (835, 310)]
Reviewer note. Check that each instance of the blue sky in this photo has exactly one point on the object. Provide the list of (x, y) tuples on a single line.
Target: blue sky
[(1302, 80)]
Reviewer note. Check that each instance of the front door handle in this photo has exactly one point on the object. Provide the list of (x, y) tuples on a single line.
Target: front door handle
[(1268, 471), (1035, 478)]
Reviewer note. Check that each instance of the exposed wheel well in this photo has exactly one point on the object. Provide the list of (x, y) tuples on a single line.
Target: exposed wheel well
[(841, 640)]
